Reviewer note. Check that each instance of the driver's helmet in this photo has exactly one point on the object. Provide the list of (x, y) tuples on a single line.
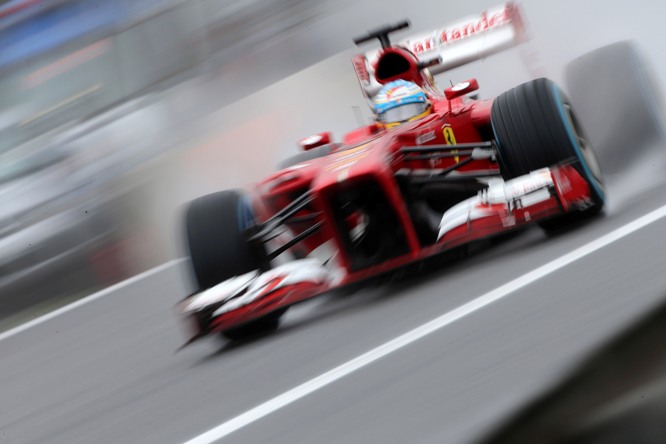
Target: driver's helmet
[(400, 101)]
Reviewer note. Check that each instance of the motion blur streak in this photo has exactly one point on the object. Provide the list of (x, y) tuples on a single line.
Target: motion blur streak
[(414, 335)]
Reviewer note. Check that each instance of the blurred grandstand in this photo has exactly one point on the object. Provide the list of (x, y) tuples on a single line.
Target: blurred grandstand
[(90, 93)]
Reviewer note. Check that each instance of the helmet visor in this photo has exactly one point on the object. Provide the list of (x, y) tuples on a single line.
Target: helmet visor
[(403, 113)]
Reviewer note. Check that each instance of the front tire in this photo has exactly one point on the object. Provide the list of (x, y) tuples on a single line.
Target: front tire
[(536, 127), (215, 227)]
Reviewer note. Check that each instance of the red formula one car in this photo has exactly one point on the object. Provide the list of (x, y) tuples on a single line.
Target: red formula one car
[(396, 191)]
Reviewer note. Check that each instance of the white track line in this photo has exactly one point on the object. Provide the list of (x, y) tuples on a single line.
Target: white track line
[(18, 329), (480, 302)]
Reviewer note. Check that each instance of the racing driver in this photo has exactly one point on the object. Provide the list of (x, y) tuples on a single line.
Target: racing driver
[(400, 101)]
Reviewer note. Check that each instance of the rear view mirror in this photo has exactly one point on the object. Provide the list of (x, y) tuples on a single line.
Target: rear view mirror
[(460, 89), (316, 140)]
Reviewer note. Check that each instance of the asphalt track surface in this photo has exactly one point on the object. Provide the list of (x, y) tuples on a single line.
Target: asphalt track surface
[(106, 370)]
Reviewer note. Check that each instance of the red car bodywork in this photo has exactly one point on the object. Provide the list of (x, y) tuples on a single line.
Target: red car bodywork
[(378, 160), (322, 202)]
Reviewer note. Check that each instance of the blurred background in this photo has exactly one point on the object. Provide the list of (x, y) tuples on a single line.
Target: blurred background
[(94, 95), (114, 113)]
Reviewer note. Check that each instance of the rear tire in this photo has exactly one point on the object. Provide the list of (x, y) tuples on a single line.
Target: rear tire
[(215, 228), (535, 127)]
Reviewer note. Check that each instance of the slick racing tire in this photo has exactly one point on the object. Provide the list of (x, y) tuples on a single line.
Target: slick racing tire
[(314, 153), (218, 249), (535, 126), (215, 233)]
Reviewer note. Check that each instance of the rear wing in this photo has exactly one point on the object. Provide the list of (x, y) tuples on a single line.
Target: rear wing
[(456, 44)]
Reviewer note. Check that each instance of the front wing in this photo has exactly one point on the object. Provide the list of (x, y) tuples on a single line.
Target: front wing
[(503, 206)]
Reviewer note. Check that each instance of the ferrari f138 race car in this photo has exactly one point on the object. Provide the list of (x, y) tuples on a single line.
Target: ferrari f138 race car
[(435, 171)]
